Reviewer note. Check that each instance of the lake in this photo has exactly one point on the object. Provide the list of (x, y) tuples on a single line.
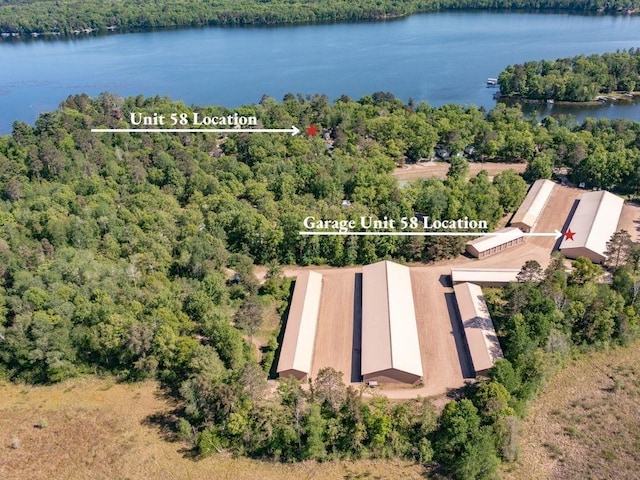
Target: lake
[(439, 58)]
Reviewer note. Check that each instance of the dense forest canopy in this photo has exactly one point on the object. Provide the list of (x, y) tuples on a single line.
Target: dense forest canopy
[(66, 17), (118, 253), (577, 79)]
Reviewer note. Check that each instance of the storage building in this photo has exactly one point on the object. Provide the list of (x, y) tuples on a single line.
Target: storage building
[(296, 353), (390, 346), (488, 277), (593, 223), (484, 347), (529, 212), (490, 244)]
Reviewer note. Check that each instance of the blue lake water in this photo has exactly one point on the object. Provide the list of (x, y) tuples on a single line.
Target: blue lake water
[(439, 58)]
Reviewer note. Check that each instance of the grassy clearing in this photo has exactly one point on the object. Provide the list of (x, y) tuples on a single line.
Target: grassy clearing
[(585, 426), (586, 423), (440, 169), (97, 429)]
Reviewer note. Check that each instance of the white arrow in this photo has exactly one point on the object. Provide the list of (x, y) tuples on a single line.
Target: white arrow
[(401, 234), (556, 234), (293, 130)]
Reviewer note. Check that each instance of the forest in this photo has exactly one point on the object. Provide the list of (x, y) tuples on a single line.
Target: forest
[(132, 255), (577, 79), (69, 17)]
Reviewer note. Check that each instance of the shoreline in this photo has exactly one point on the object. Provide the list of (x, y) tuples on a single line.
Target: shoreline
[(13, 36), (601, 100)]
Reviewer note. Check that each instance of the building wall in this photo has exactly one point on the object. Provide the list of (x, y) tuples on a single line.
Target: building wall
[(298, 375), (473, 250), (498, 277), (392, 375), (574, 253)]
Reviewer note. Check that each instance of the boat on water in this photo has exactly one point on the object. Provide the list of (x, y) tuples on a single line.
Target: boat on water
[(492, 82)]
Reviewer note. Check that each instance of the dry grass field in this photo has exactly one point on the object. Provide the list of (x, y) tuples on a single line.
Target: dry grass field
[(440, 169), (96, 429), (586, 424)]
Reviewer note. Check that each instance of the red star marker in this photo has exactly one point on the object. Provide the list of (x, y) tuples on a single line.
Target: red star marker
[(312, 130), (568, 235)]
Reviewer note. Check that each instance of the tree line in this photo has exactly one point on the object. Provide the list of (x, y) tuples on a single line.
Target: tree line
[(576, 79), (65, 17)]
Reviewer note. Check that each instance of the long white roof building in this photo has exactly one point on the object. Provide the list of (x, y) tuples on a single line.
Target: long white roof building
[(488, 245), (484, 347), (593, 223), (529, 212), (390, 346), (490, 277), (296, 354)]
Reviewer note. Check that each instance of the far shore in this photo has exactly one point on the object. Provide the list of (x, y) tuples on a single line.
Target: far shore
[(601, 99)]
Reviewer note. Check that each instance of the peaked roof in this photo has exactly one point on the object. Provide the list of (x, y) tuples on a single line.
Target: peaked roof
[(534, 203), (594, 222), (482, 340), (389, 329), (300, 335)]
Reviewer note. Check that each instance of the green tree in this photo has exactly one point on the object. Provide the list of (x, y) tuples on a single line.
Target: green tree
[(503, 373), (627, 283), (249, 315), (507, 431), (540, 167), (462, 446), (584, 271), (511, 190), (618, 249), (378, 424), (531, 271), (492, 401), (458, 171), (314, 427), (328, 389)]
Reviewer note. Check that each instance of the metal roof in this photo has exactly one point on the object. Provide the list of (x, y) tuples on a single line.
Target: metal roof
[(485, 275), (593, 223), (533, 204), (389, 329), (482, 340), (296, 354), (482, 244)]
